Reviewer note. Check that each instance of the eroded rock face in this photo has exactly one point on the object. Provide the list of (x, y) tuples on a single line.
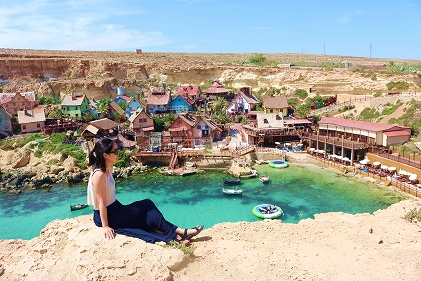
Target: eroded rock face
[(21, 158), (75, 249), (97, 74)]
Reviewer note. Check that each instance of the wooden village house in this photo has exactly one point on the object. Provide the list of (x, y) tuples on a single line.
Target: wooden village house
[(191, 131), (194, 93), (243, 102), (6, 128), (100, 128), (115, 112), (141, 124), (133, 105), (353, 138), (158, 102), (276, 104), (217, 90), (13, 102), (76, 105), (31, 120), (181, 105)]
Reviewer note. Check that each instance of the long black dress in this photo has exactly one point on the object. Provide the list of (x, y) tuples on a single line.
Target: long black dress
[(140, 219)]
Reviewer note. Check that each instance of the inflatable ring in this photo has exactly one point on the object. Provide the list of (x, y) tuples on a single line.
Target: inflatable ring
[(258, 211), (278, 164)]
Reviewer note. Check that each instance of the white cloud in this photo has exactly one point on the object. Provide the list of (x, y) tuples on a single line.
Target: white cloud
[(76, 25)]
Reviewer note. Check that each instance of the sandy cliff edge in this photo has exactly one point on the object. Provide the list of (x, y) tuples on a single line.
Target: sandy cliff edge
[(333, 246)]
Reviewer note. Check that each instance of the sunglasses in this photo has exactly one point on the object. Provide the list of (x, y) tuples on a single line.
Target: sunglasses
[(114, 151)]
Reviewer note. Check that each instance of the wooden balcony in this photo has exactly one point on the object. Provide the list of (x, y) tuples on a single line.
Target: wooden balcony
[(346, 143)]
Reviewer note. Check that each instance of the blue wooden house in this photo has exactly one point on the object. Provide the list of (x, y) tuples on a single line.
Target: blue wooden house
[(133, 106), (180, 105)]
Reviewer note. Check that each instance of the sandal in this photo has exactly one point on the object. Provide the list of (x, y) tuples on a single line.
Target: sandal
[(182, 237), (198, 230)]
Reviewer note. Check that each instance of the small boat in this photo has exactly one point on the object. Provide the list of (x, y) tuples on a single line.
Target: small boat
[(187, 173), (78, 207), (264, 178), (232, 191), (232, 181), (267, 211)]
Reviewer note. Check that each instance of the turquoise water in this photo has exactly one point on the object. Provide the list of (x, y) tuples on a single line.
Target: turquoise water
[(301, 191)]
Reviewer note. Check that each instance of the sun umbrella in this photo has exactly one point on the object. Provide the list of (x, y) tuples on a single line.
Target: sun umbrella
[(412, 177), (391, 168), (287, 144), (377, 163), (312, 149), (384, 167), (346, 159), (364, 161)]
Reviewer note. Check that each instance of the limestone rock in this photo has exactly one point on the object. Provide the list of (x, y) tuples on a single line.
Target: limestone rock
[(21, 159)]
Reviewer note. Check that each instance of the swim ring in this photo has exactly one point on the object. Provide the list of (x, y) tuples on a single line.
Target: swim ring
[(278, 164), (257, 211)]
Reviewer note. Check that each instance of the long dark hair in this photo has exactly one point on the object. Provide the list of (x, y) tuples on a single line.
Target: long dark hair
[(96, 156)]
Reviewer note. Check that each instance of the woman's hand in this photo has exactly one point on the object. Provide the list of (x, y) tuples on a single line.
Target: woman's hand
[(108, 232)]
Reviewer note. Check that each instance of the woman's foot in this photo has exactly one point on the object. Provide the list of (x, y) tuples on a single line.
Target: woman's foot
[(188, 234), (194, 231)]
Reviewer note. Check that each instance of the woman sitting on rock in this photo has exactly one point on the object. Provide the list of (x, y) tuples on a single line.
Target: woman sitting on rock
[(140, 219)]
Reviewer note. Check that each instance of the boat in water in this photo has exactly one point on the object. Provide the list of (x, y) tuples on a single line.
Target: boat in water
[(230, 191), (232, 181), (78, 207), (264, 178)]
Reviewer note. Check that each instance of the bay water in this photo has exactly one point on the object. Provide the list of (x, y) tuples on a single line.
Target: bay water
[(300, 190)]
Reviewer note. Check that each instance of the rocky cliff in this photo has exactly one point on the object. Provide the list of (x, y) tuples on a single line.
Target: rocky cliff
[(98, 74), (333, 246)]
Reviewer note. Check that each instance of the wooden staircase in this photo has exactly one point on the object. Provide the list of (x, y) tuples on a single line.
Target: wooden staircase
[(174, 160)]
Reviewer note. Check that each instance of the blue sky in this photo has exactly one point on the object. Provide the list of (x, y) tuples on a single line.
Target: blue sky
[(380, 29)]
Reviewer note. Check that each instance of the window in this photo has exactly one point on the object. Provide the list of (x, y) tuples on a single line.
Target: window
[(24, 127), (265, 121), (205, 132), (206, 127), (38, 125), (7, 105), (198, 127)]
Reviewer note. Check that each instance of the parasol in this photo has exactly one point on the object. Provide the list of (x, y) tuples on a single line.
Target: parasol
[(377, 163), (391, 168)]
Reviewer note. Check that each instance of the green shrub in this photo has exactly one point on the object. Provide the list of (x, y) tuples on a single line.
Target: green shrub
[(400, 85), (301, 93), (413, 215), (188, 250), (123, 159), (369, 114), (258, 59), (38, 153)]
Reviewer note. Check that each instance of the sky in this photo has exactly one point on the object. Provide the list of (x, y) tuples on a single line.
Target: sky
[(358, 28)]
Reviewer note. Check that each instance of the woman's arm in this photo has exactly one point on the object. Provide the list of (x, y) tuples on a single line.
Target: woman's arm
[(99, 184)]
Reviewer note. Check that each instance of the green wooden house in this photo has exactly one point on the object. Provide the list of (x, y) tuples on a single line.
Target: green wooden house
[(76, 105)]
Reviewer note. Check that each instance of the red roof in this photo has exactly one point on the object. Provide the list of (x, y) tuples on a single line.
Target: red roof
[(397, 133), (216, 88), (187, 91), (159, 98), (362, 125)]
